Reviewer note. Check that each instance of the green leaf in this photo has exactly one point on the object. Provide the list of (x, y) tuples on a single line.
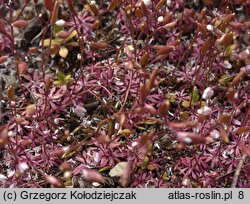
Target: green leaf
[(57, 29), (225, 79), (61, 76), (166, 176), (148, 122), (68, 77), (195, 95), (150, 167), (57, 83), (184, 115), (140, 128), (185, 104), (171, 97), (145, 161), (229, 50), (73, 44), (47, 42)]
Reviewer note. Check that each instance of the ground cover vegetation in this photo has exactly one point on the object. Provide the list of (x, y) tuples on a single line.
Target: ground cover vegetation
[(124, 93)]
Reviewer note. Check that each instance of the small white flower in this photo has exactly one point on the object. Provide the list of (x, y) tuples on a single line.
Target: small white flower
[(60, 22), (97, 157), (215, 134), (186, 182), (96, 184), (117, 126), (67, 174), (11, 134), (119, 83), (236, 95), (46, 132), (227, 65), (187, 140), (200, 111), (79, 56), (207, 111), (224, 154), (126, 64), (65, 149), (56, 131), (208, 93), (210, 27), (160, 19), (10, 173), (23, 166), (56, 121), (2, 177), (134, 144), (147, 2), (157, 146), (169, 2), (93, 2), (13, 104)]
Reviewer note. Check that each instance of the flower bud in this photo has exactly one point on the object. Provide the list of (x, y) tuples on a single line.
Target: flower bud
[(11, 93), (54, 13), (171, 24), (150, 109), (3, 137), (22, 67), (65, 166), (206, 45), (226, 39), (3, 59), (98, 46), (160, 4), (112, 5), (20, 23)]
